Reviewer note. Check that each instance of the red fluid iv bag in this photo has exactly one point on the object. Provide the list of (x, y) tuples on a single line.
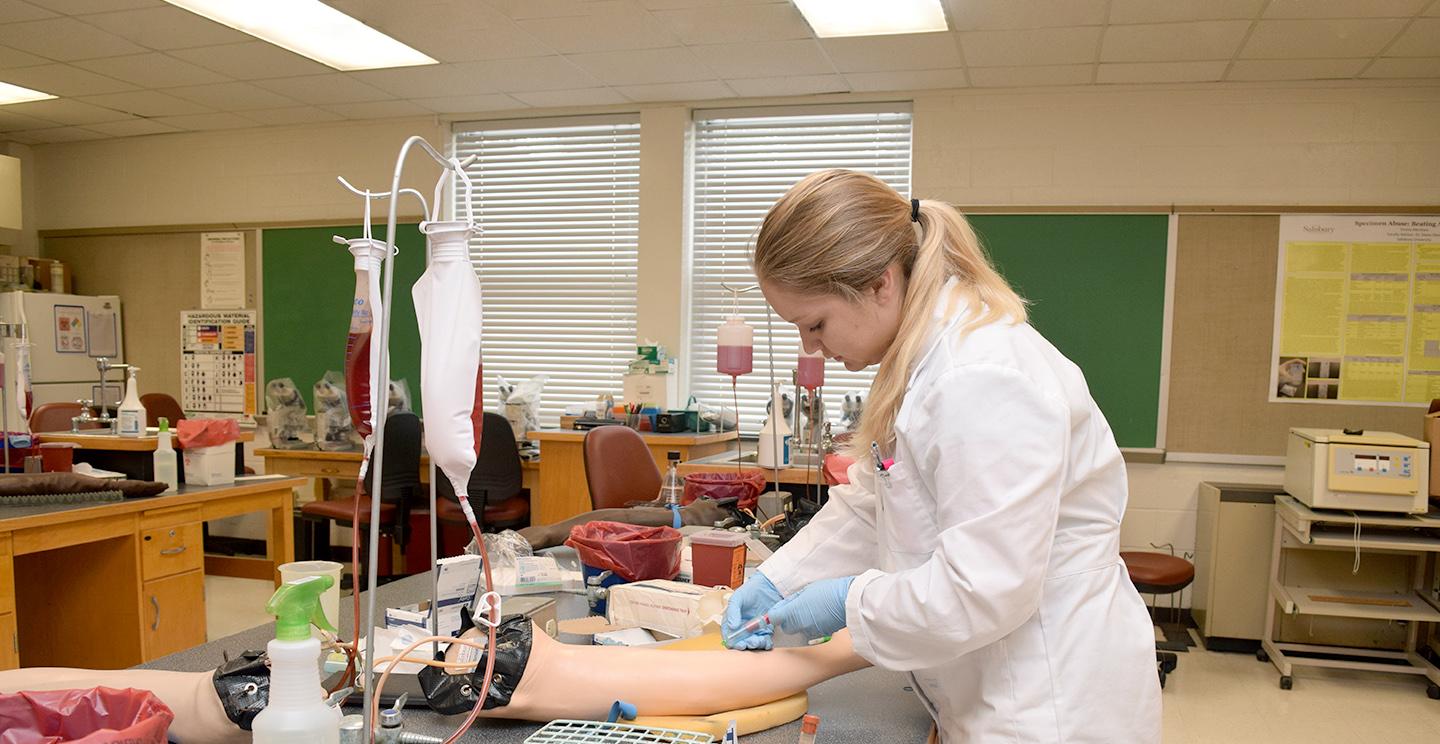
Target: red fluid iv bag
[(357, 356)]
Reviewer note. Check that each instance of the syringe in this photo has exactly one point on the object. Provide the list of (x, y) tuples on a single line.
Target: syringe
[(747, 629)]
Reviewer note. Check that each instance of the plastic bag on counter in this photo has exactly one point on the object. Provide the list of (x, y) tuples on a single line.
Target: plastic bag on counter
[(634, 553), (745, 487), (212, 432), (99, 715), (522, 404), (285, 414), (502, 547), (333, 428), (399, 396)]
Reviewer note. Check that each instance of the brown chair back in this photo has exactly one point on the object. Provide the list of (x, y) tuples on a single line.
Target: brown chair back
[(619, 467), (54, 417), (161, 404)]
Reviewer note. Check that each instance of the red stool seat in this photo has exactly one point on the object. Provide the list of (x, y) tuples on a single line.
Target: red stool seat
[(343, 510), (1158, 573)]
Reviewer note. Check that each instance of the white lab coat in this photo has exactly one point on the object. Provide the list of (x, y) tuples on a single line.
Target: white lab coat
[(989, 567)]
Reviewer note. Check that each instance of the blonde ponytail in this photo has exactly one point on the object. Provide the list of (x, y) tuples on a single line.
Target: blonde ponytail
[(836, 231)]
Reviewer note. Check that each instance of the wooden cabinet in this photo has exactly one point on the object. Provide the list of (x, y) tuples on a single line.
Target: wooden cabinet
[(7, 575), (9, 642), (166, 551), (174, 610)]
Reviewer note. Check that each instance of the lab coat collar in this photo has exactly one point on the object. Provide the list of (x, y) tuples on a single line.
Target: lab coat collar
[(941, 325)]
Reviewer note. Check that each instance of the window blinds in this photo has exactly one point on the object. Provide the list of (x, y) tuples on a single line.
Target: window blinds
[(743, 161), (558, 206)]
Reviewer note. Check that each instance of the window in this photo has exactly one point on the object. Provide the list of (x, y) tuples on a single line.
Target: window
[(743, 161), (558, 205)]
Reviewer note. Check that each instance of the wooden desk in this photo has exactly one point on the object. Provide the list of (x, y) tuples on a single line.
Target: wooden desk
[(131, 455), (114, 584), (117, 443), (723, 463), (562, 466), (346, 466)]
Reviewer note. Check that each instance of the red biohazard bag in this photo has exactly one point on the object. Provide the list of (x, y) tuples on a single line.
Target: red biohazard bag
[(634, 553), (99, 715), (745, 487)]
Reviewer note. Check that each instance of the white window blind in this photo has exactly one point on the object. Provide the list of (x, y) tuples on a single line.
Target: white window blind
[(743, 162), (558, 206)]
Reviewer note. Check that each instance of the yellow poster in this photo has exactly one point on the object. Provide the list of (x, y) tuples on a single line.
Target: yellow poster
[(1357, 316)]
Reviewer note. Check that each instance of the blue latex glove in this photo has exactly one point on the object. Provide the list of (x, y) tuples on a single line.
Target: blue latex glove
[(753, 599), (816, 611)]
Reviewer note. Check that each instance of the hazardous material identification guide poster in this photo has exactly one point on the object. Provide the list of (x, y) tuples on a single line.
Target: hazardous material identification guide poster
[(217, 362), (1357, 311)]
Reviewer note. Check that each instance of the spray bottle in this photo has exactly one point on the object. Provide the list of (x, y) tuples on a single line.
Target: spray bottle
[(297, 713), (166, 468), (132, 412)]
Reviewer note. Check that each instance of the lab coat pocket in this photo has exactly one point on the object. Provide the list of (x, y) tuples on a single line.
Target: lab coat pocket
[(908, 529)]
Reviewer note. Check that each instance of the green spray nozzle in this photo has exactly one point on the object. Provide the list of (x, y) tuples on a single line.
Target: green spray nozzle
[(296, 606), (164, 424)]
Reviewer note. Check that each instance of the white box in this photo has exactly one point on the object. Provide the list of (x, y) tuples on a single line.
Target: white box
[(669, 607), (659, 391), (210, 466)]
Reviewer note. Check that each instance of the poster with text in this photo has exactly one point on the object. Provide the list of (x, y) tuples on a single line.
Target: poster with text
[(1357, 310), (217, 362)]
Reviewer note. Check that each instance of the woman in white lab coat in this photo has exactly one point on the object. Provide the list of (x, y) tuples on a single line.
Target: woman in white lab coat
[(985, 560)]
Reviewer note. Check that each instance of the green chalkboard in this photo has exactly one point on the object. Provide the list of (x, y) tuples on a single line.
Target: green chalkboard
[(1096, 284), (308, 286)]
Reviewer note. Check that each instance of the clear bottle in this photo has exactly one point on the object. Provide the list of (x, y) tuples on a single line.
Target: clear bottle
[(810, 370), (774, 443), (167, 470), (132, 412), (672, 488), (297, 713), (735, 353), (808, 728)]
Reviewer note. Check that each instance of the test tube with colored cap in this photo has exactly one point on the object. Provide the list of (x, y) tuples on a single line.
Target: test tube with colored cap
[(747, 629), (808, 726)]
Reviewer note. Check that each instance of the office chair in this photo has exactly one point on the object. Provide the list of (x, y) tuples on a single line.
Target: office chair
[(1155, 574), (619, 468), (56, 417), (399, 491), (161, 405), (495, 488)]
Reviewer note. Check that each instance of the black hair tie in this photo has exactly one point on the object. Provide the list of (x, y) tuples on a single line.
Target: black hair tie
[(914, 210)]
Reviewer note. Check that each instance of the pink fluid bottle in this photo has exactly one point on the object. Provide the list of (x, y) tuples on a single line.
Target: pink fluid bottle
[(367, 255), (735, 354), (810, 370)]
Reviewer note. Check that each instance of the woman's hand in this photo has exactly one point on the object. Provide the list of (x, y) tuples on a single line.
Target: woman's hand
[(753, 599), (816, 611)]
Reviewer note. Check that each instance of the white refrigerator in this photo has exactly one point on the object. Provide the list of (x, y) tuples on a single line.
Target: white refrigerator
[(67, 333)]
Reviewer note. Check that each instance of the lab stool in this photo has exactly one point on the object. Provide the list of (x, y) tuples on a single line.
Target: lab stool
[(1156, 574)]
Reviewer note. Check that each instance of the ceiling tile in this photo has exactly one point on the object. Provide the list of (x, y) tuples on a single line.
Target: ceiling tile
[(206, 122), (560, 8), (10, 57), (80, 7), (59, 134), (232, 96), (673, 4), (376, 109), (64, 80), (166, 27), (1169, 11), (413, 15), (765, 58), (519, 75), (1043, 46), (794, 85), (1404, 67), (1312, 9), (692, 91), (132, 127), (1173, 42), (432, 81), (642, 67), (607, 32), (972, 15), (147, 103), (1320, 39), (885, 53), (335, 87), (1295, 69), (563, 98), (722, 25), (1019, 77), (251, 60), (470, 104), (13, 11), (1161, 72), (1421, 39), (291, 115), (64, 39), (14, 121), (152, 70), (67, 111), (907, 80), (454, 44)]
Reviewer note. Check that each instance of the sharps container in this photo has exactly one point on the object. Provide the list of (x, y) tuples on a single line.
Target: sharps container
[(717, 559)]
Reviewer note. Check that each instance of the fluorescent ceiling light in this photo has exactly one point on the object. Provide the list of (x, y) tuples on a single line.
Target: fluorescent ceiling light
[(15, 94), (872, 17), (310, 28)]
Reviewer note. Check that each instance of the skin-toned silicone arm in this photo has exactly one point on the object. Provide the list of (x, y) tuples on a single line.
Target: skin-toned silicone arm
[(190, 695), (697, 512)]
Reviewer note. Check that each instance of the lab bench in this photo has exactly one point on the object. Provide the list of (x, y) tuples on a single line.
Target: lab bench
[(858, 708)]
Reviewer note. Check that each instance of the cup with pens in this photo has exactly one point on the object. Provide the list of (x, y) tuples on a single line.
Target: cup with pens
[(632, 415)]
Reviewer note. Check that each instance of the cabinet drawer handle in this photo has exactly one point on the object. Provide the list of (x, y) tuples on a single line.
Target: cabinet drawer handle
[(156, 604), (173, 551)]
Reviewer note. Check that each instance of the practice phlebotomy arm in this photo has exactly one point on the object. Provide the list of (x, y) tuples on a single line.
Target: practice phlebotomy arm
[(560, 681)]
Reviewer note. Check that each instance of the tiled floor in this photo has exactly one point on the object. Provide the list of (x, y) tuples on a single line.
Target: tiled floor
[(1212, 698)]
